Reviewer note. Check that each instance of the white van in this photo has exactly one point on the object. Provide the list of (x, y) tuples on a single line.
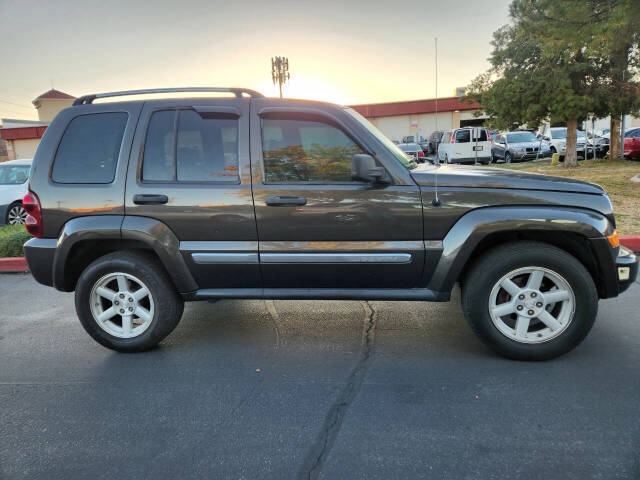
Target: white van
[(460, 146)]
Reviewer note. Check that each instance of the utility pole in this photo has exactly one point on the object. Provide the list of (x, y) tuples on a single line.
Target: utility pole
[(280, 71), (436, 83)]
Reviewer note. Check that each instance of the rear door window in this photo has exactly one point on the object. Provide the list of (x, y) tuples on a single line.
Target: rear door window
[(463, 136), (482, 137), (186, 146), (89, 149)]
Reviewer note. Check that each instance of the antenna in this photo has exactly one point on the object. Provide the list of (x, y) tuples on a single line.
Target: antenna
[(436, 200)]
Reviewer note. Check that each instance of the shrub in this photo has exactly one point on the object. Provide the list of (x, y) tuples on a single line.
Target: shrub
[(12, 238)]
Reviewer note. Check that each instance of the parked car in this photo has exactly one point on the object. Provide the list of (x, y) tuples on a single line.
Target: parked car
[(419, 139), (601, 144), (414, 151), (460, 146), (140, 206), (13, 186), (557, 137), (519, 146), (434, 141), (632, 143)]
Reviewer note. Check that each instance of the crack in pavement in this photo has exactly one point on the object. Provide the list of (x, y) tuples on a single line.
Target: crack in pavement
[(275, 318), (319, 451)]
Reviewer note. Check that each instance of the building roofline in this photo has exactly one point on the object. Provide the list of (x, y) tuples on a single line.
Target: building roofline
[(409, 107)]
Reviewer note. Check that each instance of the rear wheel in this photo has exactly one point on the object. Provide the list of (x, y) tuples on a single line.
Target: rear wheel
[(529, 300), (126, 302)]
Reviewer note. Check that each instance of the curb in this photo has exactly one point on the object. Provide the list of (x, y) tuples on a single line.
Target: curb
[(13, 265), (632, 242)]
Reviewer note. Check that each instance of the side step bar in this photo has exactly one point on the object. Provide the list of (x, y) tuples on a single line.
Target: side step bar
[(417, 294)]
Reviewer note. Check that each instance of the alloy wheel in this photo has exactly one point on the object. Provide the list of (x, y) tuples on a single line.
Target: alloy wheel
[(532, 305), (122, 305), (16, 215)]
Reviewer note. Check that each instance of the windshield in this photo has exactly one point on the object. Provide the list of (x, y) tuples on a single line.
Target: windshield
[(408, 147), (562, 133), (13, 175), (392, 147), (521, 137)]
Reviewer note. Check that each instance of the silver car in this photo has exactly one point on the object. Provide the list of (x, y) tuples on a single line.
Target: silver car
[(518, 147)]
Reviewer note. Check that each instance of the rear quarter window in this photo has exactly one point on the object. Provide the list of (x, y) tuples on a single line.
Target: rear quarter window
[(89, 149)]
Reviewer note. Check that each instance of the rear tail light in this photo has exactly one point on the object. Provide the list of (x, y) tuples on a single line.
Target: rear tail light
[(33, 223), (421, 153), (488, 136), (453, 137)]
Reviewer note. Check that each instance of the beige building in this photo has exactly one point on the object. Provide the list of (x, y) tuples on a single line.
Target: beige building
[(22, 137), (400, 119)]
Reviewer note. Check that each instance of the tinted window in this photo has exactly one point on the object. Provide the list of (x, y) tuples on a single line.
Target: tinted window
[(632, 133), (306, 151), (463, 136), (89, 149), (159, 148), (559, 133), (13, 175), (205, 147), (482, 137)]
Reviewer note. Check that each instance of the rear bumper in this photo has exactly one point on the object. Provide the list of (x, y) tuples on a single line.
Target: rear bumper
[(3, 214), (40, 255)]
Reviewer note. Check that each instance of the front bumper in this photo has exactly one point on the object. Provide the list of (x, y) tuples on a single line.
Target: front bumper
[(627, 268)]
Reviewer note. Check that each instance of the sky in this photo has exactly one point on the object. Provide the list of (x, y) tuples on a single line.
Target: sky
[(346, 52)]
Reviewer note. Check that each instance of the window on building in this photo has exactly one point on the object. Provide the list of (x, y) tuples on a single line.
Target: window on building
[(185, 146), (299, 151), (89, 149)]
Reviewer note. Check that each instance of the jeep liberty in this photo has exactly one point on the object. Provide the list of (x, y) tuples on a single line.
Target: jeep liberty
[(139, 206)]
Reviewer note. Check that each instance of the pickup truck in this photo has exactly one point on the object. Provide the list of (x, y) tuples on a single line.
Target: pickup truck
[(139, 206)]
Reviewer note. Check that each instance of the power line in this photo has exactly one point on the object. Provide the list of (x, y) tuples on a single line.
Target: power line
[(17, 104)]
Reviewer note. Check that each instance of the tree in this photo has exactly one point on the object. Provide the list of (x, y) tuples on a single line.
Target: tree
[(616, 41), (550, 63)]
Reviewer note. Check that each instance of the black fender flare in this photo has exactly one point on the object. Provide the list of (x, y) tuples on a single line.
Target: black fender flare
[(471, 228), (80, 229), (161, 239), (154, 234)]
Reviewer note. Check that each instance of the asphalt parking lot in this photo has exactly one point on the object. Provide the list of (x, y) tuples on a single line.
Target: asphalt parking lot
[(325, 389)]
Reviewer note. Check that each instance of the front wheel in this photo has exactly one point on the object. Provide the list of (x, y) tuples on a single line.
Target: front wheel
[(507, 157), (126, 302), (529, 300)]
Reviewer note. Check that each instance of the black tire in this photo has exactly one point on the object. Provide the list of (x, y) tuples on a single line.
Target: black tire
[(496, 263), (508, 158), (168, 303)]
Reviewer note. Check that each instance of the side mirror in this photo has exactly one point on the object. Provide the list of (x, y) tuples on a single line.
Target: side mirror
[(364, 168)]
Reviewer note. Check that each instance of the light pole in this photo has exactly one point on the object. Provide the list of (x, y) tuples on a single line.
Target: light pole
[(280, 71)]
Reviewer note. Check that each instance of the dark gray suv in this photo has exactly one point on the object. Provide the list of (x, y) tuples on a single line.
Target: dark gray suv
[(139, 206)]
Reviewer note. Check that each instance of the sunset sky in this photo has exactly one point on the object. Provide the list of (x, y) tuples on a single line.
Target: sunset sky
[(339, 51)]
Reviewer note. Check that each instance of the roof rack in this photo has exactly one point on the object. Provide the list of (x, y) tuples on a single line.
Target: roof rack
[(88, 99)]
